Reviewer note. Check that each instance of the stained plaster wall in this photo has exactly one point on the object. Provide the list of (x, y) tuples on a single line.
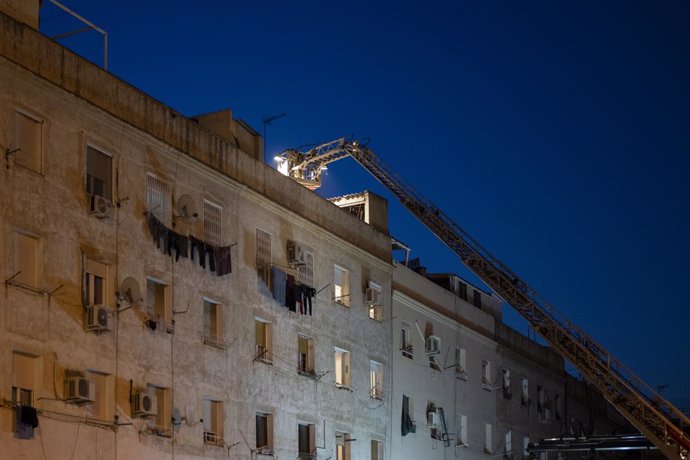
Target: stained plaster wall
[(53, 206)]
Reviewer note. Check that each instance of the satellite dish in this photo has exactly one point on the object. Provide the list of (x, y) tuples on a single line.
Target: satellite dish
[(185, 207), (129, 291)]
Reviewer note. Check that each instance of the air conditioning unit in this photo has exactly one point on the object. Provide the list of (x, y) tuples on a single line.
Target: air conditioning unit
[(432, 419), (79, 390), (373, 296), (144, 405), (96, 318), (433, 345), (296, 255), (100, 207)]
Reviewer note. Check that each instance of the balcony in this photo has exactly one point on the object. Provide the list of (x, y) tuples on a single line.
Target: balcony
[(212, 340)]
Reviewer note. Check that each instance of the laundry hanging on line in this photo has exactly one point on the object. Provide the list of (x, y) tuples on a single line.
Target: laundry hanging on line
[(290, 293), (170, 242)]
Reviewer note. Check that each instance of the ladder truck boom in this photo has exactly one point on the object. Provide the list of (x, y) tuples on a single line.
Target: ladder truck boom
[(660, 421)]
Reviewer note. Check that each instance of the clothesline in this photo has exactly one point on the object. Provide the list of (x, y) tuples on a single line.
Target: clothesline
[(168, 240)]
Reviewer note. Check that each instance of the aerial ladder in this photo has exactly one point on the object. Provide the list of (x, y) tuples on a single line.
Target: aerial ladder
[(660, 421)]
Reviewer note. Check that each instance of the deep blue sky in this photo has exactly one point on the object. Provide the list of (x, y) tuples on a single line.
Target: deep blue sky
[(556, 133)]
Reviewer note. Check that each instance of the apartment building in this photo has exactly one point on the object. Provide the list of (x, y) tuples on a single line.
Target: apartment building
[(167, 293)]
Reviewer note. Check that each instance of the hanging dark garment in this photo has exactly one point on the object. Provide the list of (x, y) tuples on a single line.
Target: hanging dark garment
[(211, 253), (290, 293), (223, 261), (182, 248), (171, 243), (200, 248)]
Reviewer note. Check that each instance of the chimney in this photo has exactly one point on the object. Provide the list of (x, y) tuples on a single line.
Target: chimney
[(25, 11)]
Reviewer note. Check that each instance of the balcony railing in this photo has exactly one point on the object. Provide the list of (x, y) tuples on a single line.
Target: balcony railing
[(212, 340), (376, 392), (263, 354), (213, 438)]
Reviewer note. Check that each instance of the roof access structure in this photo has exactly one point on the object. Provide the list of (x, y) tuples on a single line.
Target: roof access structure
[(656, 418)]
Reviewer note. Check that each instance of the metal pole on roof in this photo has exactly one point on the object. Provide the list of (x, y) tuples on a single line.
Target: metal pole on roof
[(88, 23), (267, 121)]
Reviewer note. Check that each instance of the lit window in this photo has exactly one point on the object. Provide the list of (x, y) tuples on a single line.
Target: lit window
[(486, 375), (213, 422), (213, 224), (95, 283), (342, 368), (342, 446), (212, 334), (163, 422), (487, 438), (26, 374), (376, 449), (406, 341), (460, 430), (99, 173), (508, 447), (158, 198), (341, 286), (158, 303), (264, 433), (543, 404), (264, 352), (263, 256), (305, 355), (27, 260), (376, 380), (28, 131), (102, 408), (306, 438), (525, 445), (461, 363)]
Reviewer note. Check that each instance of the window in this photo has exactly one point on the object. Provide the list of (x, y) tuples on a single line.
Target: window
[(306, 440), (264, 433), (102, 408), (462, 291), (342, 446), (341, 286), (158, 198), (27, 260), (28, 134), (305, 273), (374, 302), (557, 403), (158, 303), (342, 368), (376, 380), (213, 422), (212, 334), (264, 345), (26, 373), (543, 405), (507, 390), (406, 341), (409, 425), (477, 300), (213, 224), (460, 363), (486, 375), (487, 438), (525, 445), (376, 449), (460, 430), (433, 348), (163, 422), (524, 400), (433, 420), (99, 173), (508, 447), (95, 283), (263, 256), (305, 355)]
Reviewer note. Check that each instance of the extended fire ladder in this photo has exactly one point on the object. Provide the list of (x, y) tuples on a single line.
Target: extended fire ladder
[(661, 422)]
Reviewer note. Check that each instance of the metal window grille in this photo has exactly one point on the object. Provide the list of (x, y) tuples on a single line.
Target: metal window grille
[(213, 224), (305, 273), (158, 198)]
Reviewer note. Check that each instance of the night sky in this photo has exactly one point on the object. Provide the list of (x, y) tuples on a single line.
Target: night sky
[(556, 133)]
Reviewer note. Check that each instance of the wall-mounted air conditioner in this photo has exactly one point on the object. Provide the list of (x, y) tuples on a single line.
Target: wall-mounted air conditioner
[(100, 207), (433, 345), (144, 404), (79, 390), (296, 255), (96, 318), (373, 296), (432, 419)]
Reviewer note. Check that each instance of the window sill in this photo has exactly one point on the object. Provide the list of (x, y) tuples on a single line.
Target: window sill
[(264, 361), (309, 374), (340, 386), (487, 387)]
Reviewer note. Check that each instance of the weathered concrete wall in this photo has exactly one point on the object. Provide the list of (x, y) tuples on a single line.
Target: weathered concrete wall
[(47, 59), (53, 206)]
